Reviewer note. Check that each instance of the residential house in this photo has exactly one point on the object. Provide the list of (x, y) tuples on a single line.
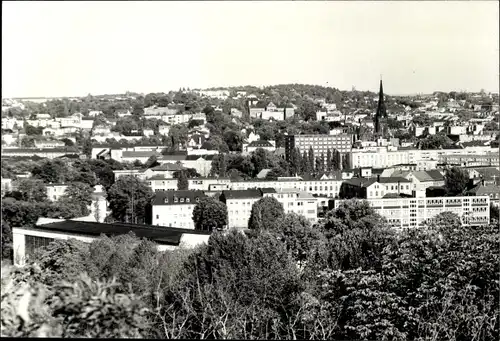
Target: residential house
[(48, 144), (163, 129), (202, 163), (490, 190), (375, 188), (296, 201), (6, 185), (175, 208), (261, 144), (55, 191)]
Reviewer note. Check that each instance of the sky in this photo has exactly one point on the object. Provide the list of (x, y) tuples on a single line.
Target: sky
[(52, 49)]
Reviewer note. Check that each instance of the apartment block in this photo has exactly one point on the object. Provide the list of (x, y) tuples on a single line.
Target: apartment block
[(413, 212), (319, 143), (296, 201), (239, 205), (175, 208)]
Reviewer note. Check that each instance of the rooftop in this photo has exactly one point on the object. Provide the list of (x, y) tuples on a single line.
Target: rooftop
[(242, 194), (177, 197), (160, 235)]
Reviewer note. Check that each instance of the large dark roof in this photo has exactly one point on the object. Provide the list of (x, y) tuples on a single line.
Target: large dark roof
[(196, 157), (160, 235), (242, 194)]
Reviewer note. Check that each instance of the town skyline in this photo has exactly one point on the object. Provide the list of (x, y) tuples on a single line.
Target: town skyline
[(132, 46)]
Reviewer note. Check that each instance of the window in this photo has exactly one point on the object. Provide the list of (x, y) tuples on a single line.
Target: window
[(188, 200), (35, 242), (157, 216), (197, 199), (176, 200)]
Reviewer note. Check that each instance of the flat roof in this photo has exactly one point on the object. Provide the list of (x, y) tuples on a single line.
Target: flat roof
[(159, 234)]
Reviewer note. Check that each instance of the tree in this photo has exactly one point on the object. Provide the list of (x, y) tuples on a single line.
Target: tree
[(80, 195), (51, 171), (337, 160), (320, 163), (182, 181), (260, 160), (436, 141), (128, 198), (210, 214), (329, 161), (152, 162), (305, 166), (30, 190), (6, 241), (266, 214), (300, 238), (346, 161), (68, 142), (311, 159), (456, 180), (222, 165), (190, 173)]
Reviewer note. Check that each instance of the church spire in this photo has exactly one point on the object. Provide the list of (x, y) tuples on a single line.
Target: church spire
[(381, 110)]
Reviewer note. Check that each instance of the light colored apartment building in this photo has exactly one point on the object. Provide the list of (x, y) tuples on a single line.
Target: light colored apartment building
[(175, 208), (296, 201), (239, 205), (383, 157), (323, 187), (412, 212)]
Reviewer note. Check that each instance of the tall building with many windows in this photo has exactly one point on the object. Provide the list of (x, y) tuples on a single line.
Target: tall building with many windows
[(319, 143)]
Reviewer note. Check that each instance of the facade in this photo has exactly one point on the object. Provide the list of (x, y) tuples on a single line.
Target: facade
[(50, 153), (270, 146), (472, 160), (175, 208), (6, 185), (55, 191), (296, 201), (413, 212), (328, 188), (319, 143), (239, 205), (202, 163), (26, 241)]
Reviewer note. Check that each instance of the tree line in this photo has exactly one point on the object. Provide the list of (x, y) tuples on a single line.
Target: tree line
[(350, 277)]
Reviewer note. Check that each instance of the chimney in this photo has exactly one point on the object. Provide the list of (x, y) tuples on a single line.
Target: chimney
[(378, 177)]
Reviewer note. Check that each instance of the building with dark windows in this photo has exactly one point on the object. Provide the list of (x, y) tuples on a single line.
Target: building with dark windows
[(319, 143)]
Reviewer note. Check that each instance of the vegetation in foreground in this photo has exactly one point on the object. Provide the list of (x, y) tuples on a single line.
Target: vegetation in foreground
[(348, 278)]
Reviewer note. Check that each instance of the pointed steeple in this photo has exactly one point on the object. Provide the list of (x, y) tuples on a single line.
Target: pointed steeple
[(381, 110)]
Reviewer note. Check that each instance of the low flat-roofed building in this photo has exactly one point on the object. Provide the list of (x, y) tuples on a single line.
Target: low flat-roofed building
[(27, 240)]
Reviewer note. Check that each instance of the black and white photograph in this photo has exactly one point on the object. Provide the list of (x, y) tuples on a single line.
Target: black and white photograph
[(251, 170)]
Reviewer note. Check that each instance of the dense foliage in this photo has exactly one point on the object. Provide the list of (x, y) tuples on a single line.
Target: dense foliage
[(348, 278)]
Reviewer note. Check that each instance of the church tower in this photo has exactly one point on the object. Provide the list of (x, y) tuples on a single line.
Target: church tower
[(381, 115)]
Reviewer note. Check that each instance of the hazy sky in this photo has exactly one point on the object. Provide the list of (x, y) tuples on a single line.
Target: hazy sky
[(76, 48)]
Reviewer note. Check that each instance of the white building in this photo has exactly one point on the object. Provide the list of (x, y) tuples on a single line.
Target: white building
[(251, 147), (201, 163), (239, 206), (175, 208), (26, 241), (295, 201), (412, 212), (55, 191)]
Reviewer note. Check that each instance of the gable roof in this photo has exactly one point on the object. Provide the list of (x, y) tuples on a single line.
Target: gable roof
[(173, 157), (489, 173), (161, 235), (167, 167), (430, 175), (169, 197), (260, 143)]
